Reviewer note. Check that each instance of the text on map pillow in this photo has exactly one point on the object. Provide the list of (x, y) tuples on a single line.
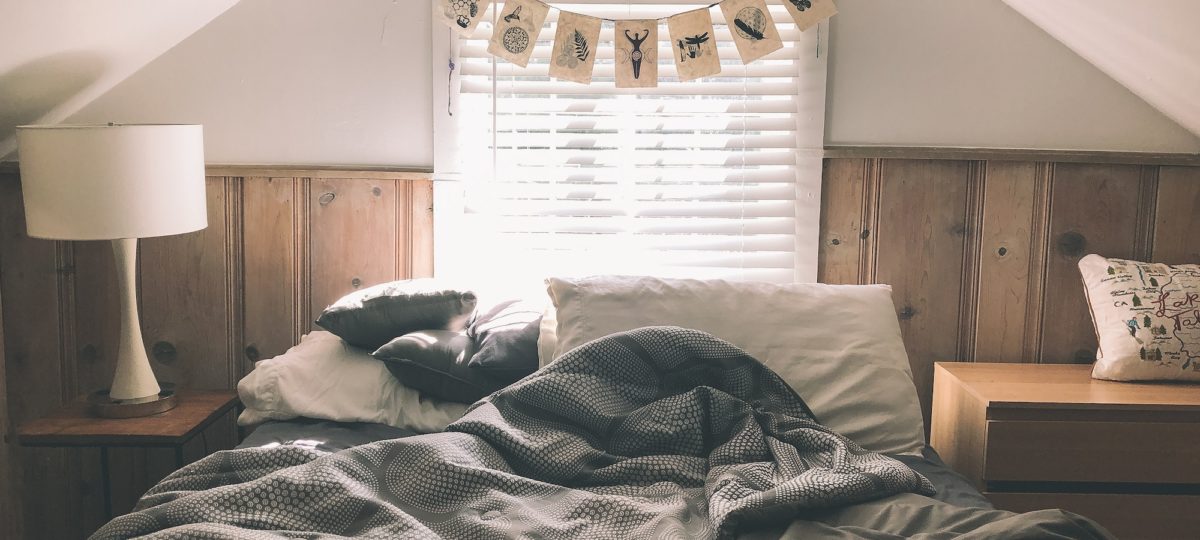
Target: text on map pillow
[(1147, 319)]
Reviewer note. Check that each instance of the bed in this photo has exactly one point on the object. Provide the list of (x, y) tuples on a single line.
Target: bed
[(647, 432)]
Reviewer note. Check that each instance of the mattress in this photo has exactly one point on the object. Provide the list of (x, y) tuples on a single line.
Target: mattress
[(329, 436)]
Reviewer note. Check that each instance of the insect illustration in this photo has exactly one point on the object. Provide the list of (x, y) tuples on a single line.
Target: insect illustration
[(514, 16), (575, 51), (801, 5), (689, 47), (463, 11), (751, 23), (635, 55)]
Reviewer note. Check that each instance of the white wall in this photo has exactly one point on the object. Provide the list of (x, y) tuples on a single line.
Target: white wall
[(317, 82), (58, 55), (336, 82), (976, 73)]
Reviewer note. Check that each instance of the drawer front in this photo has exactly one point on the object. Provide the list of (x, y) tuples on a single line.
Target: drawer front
[(1125, 452), (1129, 517)]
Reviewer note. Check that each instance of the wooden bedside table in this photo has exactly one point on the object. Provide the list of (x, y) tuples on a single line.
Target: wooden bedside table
[(1033, 436), (74, 426)]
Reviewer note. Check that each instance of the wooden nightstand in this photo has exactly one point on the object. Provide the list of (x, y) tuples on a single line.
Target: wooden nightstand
[(74, 426), (1033, 436)]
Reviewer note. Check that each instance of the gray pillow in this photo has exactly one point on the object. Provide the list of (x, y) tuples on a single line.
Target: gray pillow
[(373, 316), (506, 337), (434, 362)]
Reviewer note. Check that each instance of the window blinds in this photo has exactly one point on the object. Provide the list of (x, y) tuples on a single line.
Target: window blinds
[(704, 179)]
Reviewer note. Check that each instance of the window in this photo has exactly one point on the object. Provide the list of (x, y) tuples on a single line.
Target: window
[(718, 177)]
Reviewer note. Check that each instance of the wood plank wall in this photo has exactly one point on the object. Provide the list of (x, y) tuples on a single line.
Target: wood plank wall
[(280, 245), (982, 254)]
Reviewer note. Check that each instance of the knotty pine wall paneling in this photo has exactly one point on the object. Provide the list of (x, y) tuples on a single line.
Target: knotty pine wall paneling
[(982, 254), (211, 303)]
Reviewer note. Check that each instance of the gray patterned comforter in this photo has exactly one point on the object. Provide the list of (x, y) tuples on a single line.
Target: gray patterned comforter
[(653, 433)]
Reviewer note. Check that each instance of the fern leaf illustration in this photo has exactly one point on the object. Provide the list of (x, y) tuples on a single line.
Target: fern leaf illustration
[(581, 47), (749, 30)]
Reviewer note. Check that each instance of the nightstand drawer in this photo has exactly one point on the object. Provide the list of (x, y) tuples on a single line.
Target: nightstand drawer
[(1130, 517), (1128, 452)]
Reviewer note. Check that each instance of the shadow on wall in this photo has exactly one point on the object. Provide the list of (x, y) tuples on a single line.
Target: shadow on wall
[(35, 88)]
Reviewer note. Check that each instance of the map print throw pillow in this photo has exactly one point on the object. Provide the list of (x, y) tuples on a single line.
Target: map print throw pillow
[(1147, 318)]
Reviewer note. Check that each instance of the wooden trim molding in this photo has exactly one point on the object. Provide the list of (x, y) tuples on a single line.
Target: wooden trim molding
[(1011, 154), (314, 171)]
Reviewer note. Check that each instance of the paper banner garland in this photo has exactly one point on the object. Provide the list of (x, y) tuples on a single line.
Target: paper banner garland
[(461, 15), (691, 41), (517, 30), (752, 27), (637, 54), (810, 12), (574, 52), (694, 44)]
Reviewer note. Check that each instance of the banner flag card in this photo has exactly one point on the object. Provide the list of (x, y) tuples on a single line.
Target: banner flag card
[(636, 45), (752, 27), (517, 30), (575, 47), (460, 15), (694, 45), (810, 12)]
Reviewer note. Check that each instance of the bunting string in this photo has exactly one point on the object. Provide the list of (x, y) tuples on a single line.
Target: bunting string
[(691, 37)]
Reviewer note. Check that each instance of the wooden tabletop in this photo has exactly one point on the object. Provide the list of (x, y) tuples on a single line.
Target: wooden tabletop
[(73, 425), (1066, 386)]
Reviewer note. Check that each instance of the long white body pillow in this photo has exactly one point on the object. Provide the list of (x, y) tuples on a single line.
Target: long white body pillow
[(838, 346)]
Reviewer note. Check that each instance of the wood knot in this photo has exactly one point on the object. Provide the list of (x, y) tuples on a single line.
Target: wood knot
[(1002, 251), (252, 353), (356, 283), (864, 234), (835, 242), (88, 354), (1072, 244), (164, 352), (907, 313), (377, 191), (326, 198)]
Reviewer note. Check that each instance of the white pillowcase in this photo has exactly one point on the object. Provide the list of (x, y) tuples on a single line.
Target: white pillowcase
[(1147, 318), (325, 378), (838, 346)]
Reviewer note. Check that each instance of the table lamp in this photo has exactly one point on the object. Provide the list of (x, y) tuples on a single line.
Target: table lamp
[(116, 182)]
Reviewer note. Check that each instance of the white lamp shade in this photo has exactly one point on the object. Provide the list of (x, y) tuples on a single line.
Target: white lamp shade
[(106, 182)]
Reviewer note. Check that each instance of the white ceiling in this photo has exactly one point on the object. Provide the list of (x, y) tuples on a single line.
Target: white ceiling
[(1151, 47), (58, 55)]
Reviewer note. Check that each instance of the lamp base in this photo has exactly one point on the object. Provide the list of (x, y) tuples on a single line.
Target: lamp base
[(104, 406)]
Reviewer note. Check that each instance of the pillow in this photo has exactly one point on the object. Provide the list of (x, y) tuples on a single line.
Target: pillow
[(435, 363), (838, 346), (1147, 318), (506, 337), (547, 336), (373, 316), (325, 378)]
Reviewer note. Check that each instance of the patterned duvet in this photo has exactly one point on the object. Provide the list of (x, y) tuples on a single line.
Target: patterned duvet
[(654, 433)]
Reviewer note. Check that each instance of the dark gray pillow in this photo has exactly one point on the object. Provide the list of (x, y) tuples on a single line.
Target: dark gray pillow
[(373, 316), (434, 362), (506, 337)]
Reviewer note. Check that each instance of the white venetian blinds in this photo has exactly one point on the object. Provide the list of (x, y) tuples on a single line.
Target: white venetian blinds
[(707, 178)]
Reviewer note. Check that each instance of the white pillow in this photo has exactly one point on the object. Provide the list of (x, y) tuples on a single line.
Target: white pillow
[(838, 346), (325, 378), (1147, 319)]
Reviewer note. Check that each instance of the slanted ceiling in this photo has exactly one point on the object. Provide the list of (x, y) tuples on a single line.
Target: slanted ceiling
[(1152, 48), (56, 56)]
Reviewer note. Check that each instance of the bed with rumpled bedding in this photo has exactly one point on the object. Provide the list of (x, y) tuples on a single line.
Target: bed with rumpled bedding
[(658, 432)]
